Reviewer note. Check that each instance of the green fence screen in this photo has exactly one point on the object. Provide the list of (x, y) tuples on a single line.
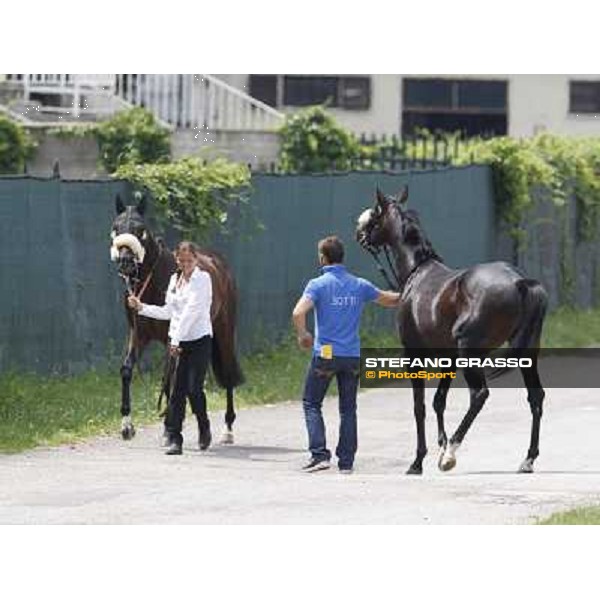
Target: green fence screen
[(61, 303)]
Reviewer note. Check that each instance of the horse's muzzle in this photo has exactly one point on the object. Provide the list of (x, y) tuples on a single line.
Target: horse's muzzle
[(363, 239), (128, 267)]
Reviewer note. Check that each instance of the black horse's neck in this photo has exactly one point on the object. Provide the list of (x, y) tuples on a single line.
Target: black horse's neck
[(409, 245), (151, 257)]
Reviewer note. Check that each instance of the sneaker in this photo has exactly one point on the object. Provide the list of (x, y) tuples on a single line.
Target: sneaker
[(316, 464), (346, 470), (174, 449)]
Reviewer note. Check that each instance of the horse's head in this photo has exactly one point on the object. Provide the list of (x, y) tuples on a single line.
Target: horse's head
[(130, 237), (376, 226)]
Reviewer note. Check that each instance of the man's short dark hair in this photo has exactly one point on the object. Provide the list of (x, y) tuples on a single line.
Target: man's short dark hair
[(332, 249)]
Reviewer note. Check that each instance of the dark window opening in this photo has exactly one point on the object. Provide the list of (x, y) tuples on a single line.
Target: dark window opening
[(470, 106), (305, 91), (584, 97), (428, 92), (264, 88), (468, 125), (355, 93), (482, 94), (351, 92)]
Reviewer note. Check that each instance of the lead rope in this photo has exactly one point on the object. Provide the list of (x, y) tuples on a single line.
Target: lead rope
[(134, 318), (375, 254), (391, 266)]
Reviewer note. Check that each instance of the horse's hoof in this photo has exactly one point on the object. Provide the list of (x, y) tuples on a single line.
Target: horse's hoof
[(128, 432), (526, 466), (227, 437), (415, 470), (447, 463)]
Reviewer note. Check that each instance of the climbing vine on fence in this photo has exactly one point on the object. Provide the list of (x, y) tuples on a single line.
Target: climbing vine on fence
[(521, 167), (191, 194)]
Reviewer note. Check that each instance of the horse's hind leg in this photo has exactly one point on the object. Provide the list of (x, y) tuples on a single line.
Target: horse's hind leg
[(227, 437), (419, 411), (439, 406), (127, 428), (535, 397), (479, 394)]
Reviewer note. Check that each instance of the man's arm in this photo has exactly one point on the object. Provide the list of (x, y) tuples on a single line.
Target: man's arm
[(302, 308), (388, 299)]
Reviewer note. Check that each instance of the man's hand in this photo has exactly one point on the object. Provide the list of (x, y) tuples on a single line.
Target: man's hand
[(174, 351), (305, 340), (388, 299)]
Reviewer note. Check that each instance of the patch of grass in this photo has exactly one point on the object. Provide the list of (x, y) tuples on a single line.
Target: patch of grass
[(38, 410), (273, 375), (587, 515), (570, 328)]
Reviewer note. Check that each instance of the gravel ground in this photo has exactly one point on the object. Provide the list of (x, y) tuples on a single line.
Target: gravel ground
[(257, 480)]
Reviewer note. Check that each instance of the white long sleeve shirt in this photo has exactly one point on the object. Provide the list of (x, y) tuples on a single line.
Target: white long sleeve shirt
[(188, 308)]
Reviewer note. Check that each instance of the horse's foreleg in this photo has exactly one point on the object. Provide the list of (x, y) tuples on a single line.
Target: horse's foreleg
[(479, 394), (127, 428), (419, 410), (535, 397), (439, 406), (227, 437)]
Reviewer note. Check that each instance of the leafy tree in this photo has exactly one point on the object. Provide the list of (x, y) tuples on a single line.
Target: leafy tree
[(312, 142), (132, 137)]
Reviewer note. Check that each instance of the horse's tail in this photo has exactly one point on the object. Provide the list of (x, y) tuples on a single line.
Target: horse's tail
[(225, 363), (527, 335)]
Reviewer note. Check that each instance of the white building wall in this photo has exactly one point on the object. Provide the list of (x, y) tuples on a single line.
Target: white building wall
[(541, 103), (383, 116), (535, 103)]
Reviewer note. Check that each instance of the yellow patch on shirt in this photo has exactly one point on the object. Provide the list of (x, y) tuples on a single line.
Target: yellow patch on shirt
[(327, 351)]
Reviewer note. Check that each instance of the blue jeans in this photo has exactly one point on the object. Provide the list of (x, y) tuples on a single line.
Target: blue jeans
[(320, 373)]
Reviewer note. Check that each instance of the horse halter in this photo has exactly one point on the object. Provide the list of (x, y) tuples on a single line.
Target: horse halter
[(375, 251)]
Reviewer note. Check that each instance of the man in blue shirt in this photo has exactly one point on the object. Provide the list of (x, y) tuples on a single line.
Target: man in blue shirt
[(337, 298)]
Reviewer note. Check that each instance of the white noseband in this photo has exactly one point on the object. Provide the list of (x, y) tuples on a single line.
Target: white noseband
[(365, 217), (130, 241)]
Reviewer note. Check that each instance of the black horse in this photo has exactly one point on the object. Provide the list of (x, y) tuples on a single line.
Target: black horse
[(469, 311), (146, 265)]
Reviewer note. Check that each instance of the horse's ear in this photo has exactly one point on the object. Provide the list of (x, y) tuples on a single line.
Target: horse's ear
[(402, 196), (382, 201), (141, 205), (119, 206)]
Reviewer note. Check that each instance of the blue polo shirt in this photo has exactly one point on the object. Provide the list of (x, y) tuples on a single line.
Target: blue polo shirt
[(339, 298)]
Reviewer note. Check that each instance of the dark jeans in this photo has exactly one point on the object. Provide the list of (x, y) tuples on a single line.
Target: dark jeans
[(320, 373), (189, 383)]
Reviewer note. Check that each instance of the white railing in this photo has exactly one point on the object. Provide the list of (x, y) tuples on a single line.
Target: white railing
[(200, 102), (65, 82), (75, 85)]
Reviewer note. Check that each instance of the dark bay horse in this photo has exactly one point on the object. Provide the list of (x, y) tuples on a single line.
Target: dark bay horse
[(146, 265), (467, 310)]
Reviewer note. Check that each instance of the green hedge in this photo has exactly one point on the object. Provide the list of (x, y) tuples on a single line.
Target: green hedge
[(16, 146)]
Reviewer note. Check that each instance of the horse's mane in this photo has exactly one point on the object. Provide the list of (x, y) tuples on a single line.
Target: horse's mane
[(413, 234)]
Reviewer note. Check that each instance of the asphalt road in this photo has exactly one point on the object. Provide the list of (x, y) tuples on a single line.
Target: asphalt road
[(257, 480)]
